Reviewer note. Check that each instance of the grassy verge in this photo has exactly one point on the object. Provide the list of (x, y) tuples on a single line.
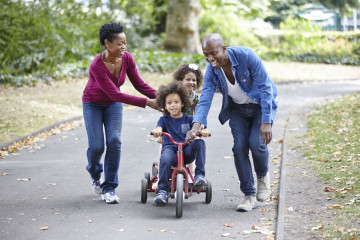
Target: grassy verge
[(334, 154), (27, 109)]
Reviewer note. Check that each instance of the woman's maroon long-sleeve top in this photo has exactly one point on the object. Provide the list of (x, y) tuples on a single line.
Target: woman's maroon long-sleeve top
[(103, 87)]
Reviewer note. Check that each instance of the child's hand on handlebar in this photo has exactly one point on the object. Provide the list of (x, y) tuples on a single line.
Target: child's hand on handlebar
[(205, 132), (157, 132), (160, 140)]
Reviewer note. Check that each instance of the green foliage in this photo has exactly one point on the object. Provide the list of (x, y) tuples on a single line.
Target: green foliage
[(343, 5), (44, 40), (300, 41), (161, 61), (283, 9), (230, 25)]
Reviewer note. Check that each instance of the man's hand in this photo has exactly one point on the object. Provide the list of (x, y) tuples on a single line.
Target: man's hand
[(191, 134), (157, 132), (266, 133)]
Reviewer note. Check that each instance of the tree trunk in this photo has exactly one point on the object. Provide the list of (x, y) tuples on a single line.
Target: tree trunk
[(182, 26)]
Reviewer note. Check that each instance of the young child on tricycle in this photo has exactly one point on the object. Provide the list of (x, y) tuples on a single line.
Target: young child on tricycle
[(191, 77), (174, 99)]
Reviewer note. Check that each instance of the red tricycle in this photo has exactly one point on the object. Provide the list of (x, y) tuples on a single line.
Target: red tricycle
[(179, 181)]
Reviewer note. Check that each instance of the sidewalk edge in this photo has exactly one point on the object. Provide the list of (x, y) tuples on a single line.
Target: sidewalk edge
[(40, 131), (279, 232)]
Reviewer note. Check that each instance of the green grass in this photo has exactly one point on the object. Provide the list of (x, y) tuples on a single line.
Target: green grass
[(334, 154)]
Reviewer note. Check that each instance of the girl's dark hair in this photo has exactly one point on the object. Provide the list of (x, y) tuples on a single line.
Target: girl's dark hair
[(108, 31), (173, 87), (186, 68)]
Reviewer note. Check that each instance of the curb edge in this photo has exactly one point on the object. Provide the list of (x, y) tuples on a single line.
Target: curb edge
[(40, 131)]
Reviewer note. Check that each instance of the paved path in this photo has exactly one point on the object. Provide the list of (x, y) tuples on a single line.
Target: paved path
[(58, 195)]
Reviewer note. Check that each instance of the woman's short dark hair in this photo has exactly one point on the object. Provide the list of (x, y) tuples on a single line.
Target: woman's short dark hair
[(108, 31), (173, 87)]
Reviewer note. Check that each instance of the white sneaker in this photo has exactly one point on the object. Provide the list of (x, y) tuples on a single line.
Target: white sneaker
[(248, 204), (110, 197), (95, 184), (263, 188)]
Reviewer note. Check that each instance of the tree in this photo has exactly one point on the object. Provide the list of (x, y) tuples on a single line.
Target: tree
[(342, 5), (182, 28)]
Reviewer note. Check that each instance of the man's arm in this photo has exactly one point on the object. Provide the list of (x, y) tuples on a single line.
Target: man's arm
[(263, 81)]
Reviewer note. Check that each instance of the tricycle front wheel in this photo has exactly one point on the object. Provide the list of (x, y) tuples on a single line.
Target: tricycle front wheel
[(179, 195)]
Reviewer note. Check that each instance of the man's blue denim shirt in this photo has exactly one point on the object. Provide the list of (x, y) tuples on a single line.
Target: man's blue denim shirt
[(253, 80)]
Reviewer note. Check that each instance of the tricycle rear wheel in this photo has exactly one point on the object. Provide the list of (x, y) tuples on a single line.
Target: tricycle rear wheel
[(144, 187), (147, 177), (208, 196)]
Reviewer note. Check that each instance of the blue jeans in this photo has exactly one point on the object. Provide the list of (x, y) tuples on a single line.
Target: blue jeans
[(96, 117), (245, 122), (195, 150)]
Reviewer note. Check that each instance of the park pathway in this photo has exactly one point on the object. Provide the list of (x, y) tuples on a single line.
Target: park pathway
[(57, 201)]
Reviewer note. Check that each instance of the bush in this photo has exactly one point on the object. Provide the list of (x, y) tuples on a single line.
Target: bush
[(298, 40), (162, 61)]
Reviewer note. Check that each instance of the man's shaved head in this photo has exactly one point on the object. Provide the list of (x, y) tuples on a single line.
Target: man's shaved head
[(214, 50), (213, 39)]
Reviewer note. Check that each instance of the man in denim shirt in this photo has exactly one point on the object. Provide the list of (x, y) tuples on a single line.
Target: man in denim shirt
[(249, 102)]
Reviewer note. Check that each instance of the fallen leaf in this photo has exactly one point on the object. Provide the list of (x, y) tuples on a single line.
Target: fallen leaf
[(44, 228), (335, 206), (225, 234), (349, 183), (4, 174), (149, 230), (281, 140), (229, 224), (329, 189), (162, 230), (23, 179), (318, 226)]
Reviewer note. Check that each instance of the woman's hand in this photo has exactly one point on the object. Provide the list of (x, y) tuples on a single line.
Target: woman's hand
[(151, 103), (157, 132), (205, 132)]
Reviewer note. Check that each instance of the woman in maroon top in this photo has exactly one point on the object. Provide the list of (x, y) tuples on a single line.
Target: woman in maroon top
[(103, 106)]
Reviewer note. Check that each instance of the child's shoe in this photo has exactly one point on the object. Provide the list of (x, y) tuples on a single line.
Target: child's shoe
[(110, 197), (200, 182), (160, 199)]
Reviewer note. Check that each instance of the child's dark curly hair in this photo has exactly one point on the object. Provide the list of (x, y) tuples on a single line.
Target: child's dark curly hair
[(186, 68), (108, 31), (173, 87)]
